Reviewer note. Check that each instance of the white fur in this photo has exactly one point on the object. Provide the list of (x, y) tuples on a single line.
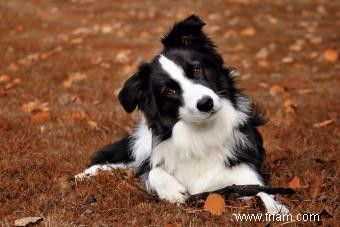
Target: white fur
[(195, 154), (272, 206), (141, 143), (192, 92), (95, 169), (195, 158), (166, 186)]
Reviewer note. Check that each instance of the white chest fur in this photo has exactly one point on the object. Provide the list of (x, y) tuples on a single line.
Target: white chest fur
[(195, 154)]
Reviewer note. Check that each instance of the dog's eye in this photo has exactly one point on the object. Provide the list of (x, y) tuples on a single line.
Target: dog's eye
[(197, 71), (170, 92)]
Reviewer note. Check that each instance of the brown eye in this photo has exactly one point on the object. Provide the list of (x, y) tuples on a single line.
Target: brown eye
[(170, 92), (197, 71)]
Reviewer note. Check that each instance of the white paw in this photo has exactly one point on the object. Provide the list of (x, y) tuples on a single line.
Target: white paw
[(94, 170), (175, 193), (166, 186), (277, 208), (272, 206)]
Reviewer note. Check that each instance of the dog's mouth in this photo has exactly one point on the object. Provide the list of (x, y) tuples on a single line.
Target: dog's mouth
[(213, 112)]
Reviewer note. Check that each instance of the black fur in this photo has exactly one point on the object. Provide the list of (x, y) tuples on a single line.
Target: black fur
[(187, 45), (118, 152)]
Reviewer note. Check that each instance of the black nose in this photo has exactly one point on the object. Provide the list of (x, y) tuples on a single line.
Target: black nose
[(205, 104)]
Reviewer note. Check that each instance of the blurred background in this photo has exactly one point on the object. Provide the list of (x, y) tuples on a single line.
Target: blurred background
[(64, 61)]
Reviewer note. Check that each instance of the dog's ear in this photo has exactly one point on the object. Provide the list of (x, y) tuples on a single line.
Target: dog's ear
[(187, 33), (132, 91)]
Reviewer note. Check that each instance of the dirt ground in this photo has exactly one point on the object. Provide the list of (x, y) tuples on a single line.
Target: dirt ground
[(63, 62)]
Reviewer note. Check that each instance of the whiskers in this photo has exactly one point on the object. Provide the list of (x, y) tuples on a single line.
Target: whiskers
[(222, 92)]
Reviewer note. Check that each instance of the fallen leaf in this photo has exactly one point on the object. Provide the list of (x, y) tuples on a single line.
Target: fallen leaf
[(106, 28), (263, 63), (13, 67), (290, 110), (12, 84), (315, 39), (276, 90), (16, 81), (317, 184), (239, 47), (214, 204), (96, 60), (172, 225), (76, 41), (289, 103), (92, 124), (144, 34), (123, 56), (287, 60), (295, 182), (78, 116), (322, 124), (81, 31), (27, 221), (295, 47), (4, 78), (250, 31), (41, 116), (35, 106), (305, 91), (330, 55), (262, 53), (272, 20), (263, 85), (313, 54), (43, 56), (74, 77), (19, 28)]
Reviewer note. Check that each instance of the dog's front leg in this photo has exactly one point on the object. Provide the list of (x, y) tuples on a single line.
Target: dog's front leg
[(166, 186)]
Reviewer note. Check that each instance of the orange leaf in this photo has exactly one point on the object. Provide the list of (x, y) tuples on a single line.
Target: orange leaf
[(289, 103), (250, 31), (263, 63), (4, 79), (295, 182), (276, 90), (12, 67), (172, 225), (330, 55), (317, 183), (214, 204), (78, 116), (41, 116)]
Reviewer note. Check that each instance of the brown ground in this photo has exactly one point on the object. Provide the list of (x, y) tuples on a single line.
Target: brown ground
[(74, 55)]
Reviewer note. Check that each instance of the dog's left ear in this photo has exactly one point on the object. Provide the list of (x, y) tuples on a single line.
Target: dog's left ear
[(187, 33), (132, 94)]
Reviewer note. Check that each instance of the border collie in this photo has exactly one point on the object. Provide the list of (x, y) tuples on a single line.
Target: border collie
[(197, 131)]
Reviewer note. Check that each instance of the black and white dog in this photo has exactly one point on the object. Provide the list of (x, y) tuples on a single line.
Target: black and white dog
[(197, 131)]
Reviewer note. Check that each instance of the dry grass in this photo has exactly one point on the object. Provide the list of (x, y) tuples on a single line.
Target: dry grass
[(44, 43)]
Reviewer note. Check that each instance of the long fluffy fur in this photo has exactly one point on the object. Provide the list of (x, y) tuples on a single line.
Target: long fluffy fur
[(197, 131)]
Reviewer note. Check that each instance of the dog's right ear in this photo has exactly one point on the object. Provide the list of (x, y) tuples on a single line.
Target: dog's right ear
[(131, 94)]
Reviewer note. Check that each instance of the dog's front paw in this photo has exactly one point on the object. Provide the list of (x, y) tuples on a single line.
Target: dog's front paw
[(166, 186), (174, 193)]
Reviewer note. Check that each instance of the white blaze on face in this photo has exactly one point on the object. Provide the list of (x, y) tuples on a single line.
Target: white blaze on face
[(192, 92)]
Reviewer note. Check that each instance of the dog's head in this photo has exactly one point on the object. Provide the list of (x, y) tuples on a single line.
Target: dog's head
[(185, 81)]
